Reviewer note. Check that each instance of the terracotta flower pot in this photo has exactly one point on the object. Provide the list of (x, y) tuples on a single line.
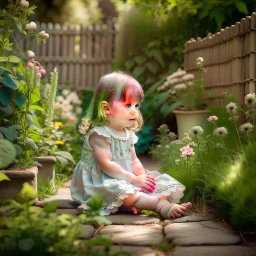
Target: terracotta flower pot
[(186, 119), (10, 189), (47, 171)]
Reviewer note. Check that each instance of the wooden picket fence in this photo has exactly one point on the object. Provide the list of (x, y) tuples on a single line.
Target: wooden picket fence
[(229, 59), (81, 54)]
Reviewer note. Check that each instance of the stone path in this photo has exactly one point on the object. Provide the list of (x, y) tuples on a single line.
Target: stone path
[(143, 235)]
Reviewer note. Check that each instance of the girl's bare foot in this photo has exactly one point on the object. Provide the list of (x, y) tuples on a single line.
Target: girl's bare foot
[(129, 209), (187, 205)]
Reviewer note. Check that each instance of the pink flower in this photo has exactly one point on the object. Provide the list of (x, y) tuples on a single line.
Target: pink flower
[(30, 64), (38, 74), (24, 4), (31, 26), (30, 54), (212, 118), (43, 34), (42, 71), (187, 151)]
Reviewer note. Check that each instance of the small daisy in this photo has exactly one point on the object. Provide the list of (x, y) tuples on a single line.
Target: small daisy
[(231, 108), (250, 100), (220, 132), (246, 128), (212, 118), (196, 131)]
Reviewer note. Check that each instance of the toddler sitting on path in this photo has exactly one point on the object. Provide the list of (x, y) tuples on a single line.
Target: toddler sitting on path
[(109, 164)]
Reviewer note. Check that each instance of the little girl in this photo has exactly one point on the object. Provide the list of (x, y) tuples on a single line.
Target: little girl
[(109, 164)]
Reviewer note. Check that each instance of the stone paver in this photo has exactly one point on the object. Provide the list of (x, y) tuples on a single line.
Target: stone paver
[(139, 219), (88, 232), (190, 218), (215, 250), (200, 233), (134, 235)]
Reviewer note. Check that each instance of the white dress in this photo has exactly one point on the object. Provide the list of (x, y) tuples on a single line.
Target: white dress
[(88, 178)]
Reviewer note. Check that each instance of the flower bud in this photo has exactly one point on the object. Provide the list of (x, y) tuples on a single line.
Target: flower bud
[(42, 71), (38, 75), (30, 64), (43, 34), (30, 54), (24, 4), (31, 26)]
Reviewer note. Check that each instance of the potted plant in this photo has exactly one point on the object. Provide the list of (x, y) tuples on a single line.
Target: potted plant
[(50, 137), (20, 77), (187, 94)]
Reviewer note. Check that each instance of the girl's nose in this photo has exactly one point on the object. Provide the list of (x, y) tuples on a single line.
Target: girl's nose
[(133, 113)]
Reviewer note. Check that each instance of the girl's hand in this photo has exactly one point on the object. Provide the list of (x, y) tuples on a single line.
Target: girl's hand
[(145, 181)]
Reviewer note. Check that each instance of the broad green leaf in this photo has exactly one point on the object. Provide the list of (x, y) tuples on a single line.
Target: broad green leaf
[(51, 207), (168, 51), (140, 59), (27, 193), (9, 81), (150, 80), (3, 176), (6, 94), (13, 59), (10, 133), (152, 66), (35, 96), (129, 64), (18, 149), (20, 76), (7, 153), (31, 143), (154, 43), (36, 107), (19, 99), (157, 55), (6, 109), (138, 71), (19, 26), (1, 71), (167, 109), (62, 160), (33, 121), (65, 155)]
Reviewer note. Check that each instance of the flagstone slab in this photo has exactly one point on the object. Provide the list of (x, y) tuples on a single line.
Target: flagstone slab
[(72, 212), (63, 203), (189, 218), (134, 234), (132, 250), (88, 232), (200, 233), (139, 219), (215, 250)]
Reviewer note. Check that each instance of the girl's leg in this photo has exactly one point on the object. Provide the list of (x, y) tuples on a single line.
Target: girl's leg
[(163, 207)]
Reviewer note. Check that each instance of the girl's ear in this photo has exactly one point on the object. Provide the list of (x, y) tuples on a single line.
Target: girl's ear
[(105, 107)]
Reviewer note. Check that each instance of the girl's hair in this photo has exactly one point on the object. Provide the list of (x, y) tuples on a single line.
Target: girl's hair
[(112, 86)]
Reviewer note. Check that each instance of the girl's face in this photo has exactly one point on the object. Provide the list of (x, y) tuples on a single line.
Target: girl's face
[(124, 113)]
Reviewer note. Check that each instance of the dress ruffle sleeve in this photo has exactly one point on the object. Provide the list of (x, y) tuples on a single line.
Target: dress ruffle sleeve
[(133, 138), (101, 131)]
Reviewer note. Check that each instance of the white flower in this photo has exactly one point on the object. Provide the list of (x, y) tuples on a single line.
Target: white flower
[(176, 142), (177, 161), (163, 128), (187, 138), (78, 110), (187, 151), (73, 97), (43, 34), (231, 108), (60, 99), (30, 54), (167, 146), (159, 146), (178, 73), (31, 26), (193, 144), (66, 92), (212, 118), (246, 128), (188, 77), (220, 131), (250, 100), (199, 61), (24, 4), (179, 87), (172, 135), (196, 131)]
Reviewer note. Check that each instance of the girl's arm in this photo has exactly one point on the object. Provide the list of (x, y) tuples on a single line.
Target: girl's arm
[(137, 165), (103, 158)]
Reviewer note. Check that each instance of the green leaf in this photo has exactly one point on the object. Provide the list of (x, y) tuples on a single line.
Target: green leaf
[(51, 207), (65, 155), (19, 99), (157, 55), (138, 71), (9, 81), (36, 107), (1, 71), (11, 132), (27, 193), (129, 64), (6, 94), (7, 153), (6, 109), (150, 80), (35, 96), (19, 26), (168, 51), (18, 149), (241, 7), (152, 66), (154, 43), (140, 59), (32, 144), (1, 23), (62, 160), (3, 176), (13, 59)]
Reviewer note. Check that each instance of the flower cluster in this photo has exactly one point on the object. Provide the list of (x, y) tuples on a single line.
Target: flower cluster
[(187, 151), (68, 106), (185, 88)]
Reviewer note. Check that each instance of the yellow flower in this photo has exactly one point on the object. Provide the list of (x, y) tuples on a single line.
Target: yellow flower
[(60, 142), (58, 124)]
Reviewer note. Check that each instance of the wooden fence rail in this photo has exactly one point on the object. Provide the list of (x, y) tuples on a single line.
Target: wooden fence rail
[(229, 58), (81, 54)]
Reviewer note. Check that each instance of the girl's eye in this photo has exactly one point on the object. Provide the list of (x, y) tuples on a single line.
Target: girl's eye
[(128, 105), (137, 105)]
